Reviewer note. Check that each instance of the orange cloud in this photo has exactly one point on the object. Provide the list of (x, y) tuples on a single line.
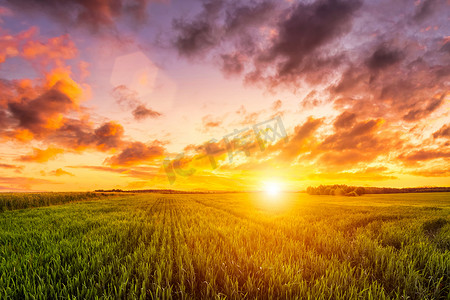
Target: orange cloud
[(41, 156), (444, 132), (60, 172), (298, 141), (368, 174), (10, 45), (19, 183), (137, 153), (53, 51), (423, 155), (109, 136)]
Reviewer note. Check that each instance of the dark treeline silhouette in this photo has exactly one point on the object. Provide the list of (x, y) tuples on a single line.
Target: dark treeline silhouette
[(345, 190)]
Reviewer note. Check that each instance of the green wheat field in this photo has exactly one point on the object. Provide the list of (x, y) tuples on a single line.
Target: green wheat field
[(224, 246)]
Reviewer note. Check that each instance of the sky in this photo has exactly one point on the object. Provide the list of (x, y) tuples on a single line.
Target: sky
[(223, 95)]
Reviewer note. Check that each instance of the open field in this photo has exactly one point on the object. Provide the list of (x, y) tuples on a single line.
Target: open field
[(13, 201), (229, 246)]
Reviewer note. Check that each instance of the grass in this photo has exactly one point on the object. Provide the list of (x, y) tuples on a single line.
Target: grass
[(12, 201), (229, 246)]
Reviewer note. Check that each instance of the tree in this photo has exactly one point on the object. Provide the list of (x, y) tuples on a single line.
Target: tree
[(339, 192), (360, 190)]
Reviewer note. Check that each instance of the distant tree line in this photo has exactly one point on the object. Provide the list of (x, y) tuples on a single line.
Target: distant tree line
[(336, 190), (345, 190)]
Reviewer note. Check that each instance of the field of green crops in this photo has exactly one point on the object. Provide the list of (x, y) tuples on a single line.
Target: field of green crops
[(231, 246)]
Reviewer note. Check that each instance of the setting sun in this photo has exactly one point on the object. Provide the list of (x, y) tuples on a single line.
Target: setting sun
[(272, 188)]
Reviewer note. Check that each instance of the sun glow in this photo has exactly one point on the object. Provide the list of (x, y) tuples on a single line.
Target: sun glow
[(272, 188)]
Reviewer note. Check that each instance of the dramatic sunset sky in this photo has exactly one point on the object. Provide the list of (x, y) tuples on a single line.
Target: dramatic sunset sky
[(96, 94)]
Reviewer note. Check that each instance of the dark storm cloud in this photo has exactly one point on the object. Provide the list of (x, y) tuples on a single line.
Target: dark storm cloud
[(276, 44), (95, 14), (221, 21), (198, 35), (307, 28), (239, 16), (383, 57), (425, 9)]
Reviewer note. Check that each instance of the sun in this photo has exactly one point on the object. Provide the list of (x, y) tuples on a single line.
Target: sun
[(272, 188)]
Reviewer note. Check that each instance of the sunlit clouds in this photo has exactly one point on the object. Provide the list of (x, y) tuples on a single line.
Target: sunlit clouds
[(167, 94)]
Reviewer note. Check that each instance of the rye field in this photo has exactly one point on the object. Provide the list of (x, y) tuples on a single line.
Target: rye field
[(226, 246)]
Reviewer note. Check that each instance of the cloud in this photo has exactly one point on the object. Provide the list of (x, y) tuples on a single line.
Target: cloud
[(108, 136), (43, 113), (345, 120), (246, 117), (277, 105), (232, 64), (420, 113), (298, 141), (137, 153), (342, 50), (432, 172), (355, 143), (383, 58), (209, 122), (101, 168), (297, 48), (200, 34), (366, 174), (129, 99), (95, 15), (8, 166), (424, 155), (41, 156), (125, 97), (48, 109), (444, 132), (426, 9), (60, 172), (18, 183), (54, 51), (38, 109), (128, 172), (360, 136), (141, 112), (276, 45)]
